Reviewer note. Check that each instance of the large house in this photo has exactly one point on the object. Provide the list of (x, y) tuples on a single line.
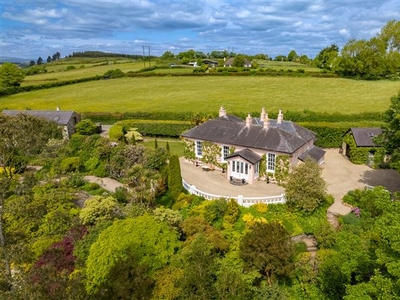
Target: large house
[(65, 119), (241, 146)]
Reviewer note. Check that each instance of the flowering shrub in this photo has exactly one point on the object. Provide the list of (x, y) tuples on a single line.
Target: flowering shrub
[(356, 211)]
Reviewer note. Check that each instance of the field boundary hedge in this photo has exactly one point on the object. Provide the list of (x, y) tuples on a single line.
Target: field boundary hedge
[(294, 116)]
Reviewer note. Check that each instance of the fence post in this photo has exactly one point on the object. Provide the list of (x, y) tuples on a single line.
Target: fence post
[(192, 189), (240, 200)]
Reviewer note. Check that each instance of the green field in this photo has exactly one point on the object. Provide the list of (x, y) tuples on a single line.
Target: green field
[(285, 65), (207, 94), (57, 72)]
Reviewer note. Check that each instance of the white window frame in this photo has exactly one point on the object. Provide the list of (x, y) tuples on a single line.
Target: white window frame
[(224, 152), (271, 160), (199, 149)]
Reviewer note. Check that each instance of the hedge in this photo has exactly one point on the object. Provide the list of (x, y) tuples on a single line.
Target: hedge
[(295, 116), (330, 135), (111, 118), (156, 128), (28, 88)]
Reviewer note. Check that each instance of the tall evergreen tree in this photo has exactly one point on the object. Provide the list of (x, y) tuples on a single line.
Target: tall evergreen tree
[(174, 177)]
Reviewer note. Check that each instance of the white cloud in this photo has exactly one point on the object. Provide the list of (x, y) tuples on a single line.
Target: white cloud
[(31, 28)]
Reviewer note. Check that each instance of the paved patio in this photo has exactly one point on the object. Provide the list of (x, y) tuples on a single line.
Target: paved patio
[(215, 182)]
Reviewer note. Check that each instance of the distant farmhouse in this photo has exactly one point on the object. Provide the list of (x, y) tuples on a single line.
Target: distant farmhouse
[(65, 119), (245, 147), (229, 63)]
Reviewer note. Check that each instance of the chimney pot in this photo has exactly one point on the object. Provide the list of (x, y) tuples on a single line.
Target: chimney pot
[(262, 116), (249, 120), (266, 121), (280, 117)]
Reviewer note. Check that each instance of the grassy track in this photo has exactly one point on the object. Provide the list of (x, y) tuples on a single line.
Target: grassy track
[(207, 94)]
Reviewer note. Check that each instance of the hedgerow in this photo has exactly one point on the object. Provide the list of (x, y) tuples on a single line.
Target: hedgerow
[(330, 134), (167, 128)]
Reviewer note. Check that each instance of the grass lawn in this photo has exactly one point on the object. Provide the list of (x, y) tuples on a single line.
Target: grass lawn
[(207, 94), (175, 145)]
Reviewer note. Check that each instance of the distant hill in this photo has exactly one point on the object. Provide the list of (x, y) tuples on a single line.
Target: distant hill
[(22, 61)]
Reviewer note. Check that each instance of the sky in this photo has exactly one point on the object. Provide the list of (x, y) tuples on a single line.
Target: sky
[(33, 28)]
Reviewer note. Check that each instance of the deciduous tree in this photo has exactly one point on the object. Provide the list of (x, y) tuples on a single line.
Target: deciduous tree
[(268, 248), (11, 75), (144, 244), (305, 188)]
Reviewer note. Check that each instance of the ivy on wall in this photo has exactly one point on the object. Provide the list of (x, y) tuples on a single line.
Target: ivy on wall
[(262, 171), (282, 168), (188, 149), (360, 155), (211, 152)]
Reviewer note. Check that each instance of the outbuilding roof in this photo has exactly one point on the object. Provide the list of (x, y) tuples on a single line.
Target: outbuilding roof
[(284, 136), (364, 136), (60, 117), (314, 153)]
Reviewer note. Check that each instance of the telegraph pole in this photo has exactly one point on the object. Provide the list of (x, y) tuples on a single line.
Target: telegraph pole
[(144, 55)]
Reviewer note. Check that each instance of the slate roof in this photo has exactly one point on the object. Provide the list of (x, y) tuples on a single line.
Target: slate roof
[(363, 136), (60, 117), (314, 152), (246, 154), (286, 137)]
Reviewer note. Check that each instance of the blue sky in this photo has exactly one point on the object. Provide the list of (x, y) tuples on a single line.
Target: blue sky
[(33, 28)]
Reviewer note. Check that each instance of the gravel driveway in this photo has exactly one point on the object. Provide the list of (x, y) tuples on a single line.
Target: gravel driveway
[(343, 176)]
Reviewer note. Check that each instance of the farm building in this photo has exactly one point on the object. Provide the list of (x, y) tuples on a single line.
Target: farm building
[(65, 119), (250, 149), (229, 63), (359, 146)]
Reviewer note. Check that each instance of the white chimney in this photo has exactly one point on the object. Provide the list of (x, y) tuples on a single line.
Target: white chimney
[(263, 114), (266, 121), (249, 120), (280, 117), (222, 112)]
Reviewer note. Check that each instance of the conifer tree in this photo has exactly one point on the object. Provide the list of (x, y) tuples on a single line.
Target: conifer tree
[(174, 177)]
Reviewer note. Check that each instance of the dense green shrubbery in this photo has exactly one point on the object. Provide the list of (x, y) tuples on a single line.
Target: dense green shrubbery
[(111, 74), (116, 133)]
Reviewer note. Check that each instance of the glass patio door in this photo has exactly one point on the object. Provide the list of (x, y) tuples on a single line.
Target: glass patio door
[(240, 169)]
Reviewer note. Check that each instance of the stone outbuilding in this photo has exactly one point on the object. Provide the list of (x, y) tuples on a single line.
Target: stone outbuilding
[(67, 120)]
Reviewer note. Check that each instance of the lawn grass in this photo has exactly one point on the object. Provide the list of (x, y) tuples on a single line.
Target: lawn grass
[(175, 145), (207, 94)]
